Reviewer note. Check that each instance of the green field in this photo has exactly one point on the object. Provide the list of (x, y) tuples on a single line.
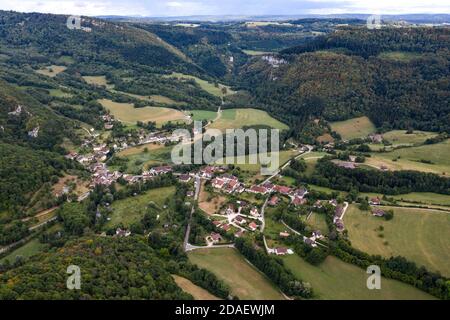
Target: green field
[(238, 118), (205, 85), (198, 115), (128, 114), (337, 280), (130, 210), (411, 158), (401, 138), (58, 93), (417, 234), (317, 221), (354, 128), (230, 266), (27, 250), (256, 53), (158, 155), (401, 56), (243, 161)]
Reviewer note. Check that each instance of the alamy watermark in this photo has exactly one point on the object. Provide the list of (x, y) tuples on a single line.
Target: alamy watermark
[(74, 280), (236, 147), (374, 280)]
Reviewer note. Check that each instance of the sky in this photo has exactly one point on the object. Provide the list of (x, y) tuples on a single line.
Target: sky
[(165, 8)]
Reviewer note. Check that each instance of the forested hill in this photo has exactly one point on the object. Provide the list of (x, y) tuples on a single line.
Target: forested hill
[(42, 37), (399, 78)]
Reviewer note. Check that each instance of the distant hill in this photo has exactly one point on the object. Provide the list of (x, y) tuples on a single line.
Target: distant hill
[(399, 79)]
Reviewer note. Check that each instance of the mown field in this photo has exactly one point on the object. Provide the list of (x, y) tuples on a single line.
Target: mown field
[(128, 114), (354, 128), (244, 161), (197, 292), (130, 210), (238, 118), (420, 235), (434, 158), (402, 138), (337, 280), (198, 115), (205, 85), (230, 266)]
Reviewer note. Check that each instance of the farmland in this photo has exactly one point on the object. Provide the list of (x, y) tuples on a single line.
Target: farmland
[(417, 234), (230, 266), (354, 128), (337, 280), (238, 118), (198, 115), (216, 90), (197, 292), (131, 210), (128, 114), (434, 158)]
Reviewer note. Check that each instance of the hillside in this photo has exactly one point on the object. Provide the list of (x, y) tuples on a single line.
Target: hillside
[(399, 79)]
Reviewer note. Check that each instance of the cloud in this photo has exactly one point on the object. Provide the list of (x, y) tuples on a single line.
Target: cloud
[(224, 7)]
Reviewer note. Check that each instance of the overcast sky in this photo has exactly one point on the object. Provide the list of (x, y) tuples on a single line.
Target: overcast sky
[(162, 8)]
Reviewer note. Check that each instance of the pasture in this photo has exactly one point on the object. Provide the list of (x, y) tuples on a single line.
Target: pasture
[(419, 235), (238, 118), (434, 158), (130, 210), (198, 115), (197, 292), (128, 114), (159, 155), (230, 266), (337, 280), (401, 138), (218, 90), (354, 128)]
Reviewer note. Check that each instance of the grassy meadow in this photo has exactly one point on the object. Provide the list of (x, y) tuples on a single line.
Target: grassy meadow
[(230, 266), (419, 235), (238, 118), (354, 128)]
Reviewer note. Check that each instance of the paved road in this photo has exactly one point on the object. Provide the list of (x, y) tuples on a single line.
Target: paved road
[(190, 247), (299, 234), (263, 226)]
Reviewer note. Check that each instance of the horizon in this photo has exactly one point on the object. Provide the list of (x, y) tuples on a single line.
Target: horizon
[(173, 8)]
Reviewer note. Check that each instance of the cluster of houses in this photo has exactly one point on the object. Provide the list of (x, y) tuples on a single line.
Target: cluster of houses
[(312, 241), (297, 195), (274, 61), (228, 184), (338, 215)]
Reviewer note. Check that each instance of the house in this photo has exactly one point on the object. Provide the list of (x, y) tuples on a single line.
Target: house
[(298, 201), (339, 225), (384, 168), (300, 193), (257, 190), (185, 178), (378, 212), (122, 233), (274, 201), (317, 204), (284, 234), (239, 233), (215, 237), (216, 223), (254, 212), (269, 186), (352, 158), (317, 234), (71, 156), (218, 183), (281, 251), (109, 126), (253, 226), (376, 138), (208, 172), (282, 189), (226, 227), (345, 164), (309, 241), (160, 170), (338, 212), (375, 201), (190, 194), (333, 202), (240, 220)]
